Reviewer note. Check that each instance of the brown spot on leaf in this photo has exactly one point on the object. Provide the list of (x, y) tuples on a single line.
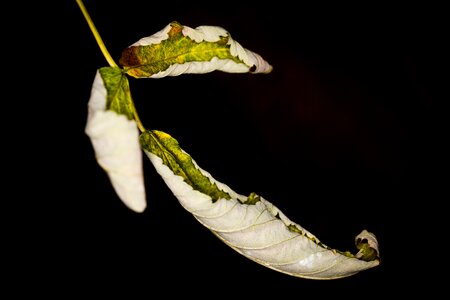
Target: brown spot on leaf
[(177, 28), (129, 57)]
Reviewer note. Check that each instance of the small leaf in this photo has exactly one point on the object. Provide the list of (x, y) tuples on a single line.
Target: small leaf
[(178, 49), (115, 138), (252, 226)]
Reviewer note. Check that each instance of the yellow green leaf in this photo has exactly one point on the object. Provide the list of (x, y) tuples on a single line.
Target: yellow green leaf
[(179, 49)]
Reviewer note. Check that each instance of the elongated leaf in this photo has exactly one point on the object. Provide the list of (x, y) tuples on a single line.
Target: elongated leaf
[(180, 49), (115, 138), (252, 225)]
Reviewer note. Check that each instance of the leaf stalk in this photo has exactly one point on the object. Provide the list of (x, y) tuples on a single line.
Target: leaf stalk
[(97, 36)]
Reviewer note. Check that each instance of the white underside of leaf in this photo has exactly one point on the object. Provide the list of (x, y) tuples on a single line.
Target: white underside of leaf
[(201, 67), (154, 39), (256, 232), (250, 58), (115, 140), (205, 33)]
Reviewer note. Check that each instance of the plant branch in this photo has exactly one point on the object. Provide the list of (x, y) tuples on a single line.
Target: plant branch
[(97, 36)]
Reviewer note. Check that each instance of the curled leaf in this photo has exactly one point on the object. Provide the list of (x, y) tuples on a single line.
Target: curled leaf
[(178, 49), (251, 225), (115, 138)]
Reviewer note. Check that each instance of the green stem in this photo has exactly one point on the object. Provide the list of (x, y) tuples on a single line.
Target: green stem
[(97, 36), (136, 118)]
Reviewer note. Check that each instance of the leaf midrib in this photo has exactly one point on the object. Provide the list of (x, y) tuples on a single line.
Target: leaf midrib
[(175, 57)]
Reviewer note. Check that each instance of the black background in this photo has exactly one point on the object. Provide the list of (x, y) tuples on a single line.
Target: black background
[(340, 136)]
